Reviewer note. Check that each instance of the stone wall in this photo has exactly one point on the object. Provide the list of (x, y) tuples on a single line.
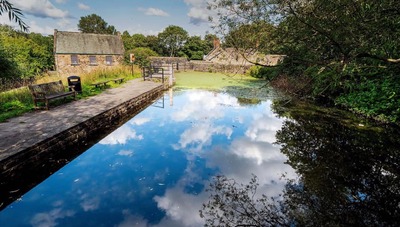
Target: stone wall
[(64, 66), (168, 60), (52, 154), (204, 66)]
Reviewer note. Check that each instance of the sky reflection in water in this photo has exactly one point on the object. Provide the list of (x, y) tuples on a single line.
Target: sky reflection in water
[(153, 170)]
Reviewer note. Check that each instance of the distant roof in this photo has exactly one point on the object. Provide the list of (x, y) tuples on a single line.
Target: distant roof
[(87, 43)]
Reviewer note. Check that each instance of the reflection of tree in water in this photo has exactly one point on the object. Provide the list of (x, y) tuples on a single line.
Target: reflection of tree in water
[(233, 204), (348, 176)]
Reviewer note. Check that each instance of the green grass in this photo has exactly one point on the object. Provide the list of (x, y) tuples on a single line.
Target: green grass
[(212, 81), (19, 101), (14, 103)]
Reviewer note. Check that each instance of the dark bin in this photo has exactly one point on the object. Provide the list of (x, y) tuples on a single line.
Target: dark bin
[(76, 82)]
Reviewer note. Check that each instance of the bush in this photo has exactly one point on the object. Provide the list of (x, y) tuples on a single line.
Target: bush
[(268, 73)]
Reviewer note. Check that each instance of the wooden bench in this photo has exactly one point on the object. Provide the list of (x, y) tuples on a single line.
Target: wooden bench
[(118, 80), (49, 91), (100, 84)]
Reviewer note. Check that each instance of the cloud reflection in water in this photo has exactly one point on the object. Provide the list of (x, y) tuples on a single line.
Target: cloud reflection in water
[(154, 170)]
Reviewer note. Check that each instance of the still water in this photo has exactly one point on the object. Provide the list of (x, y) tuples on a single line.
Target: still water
[(323, 167)]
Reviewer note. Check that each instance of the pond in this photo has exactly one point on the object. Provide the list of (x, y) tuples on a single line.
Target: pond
[(320, 166)]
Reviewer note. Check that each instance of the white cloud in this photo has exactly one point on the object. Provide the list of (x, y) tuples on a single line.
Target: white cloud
[(200, 135), (121, 136), (132, 220), (50, 219), (198, 12), (139, 120), (34, 27), (61, 1), (83, 6), (180, 207), (202, 105), (64, 23), (154, 12), (125, 153), (89, 203), (40, 8)]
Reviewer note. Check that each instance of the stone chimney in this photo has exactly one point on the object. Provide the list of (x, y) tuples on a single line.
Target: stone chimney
[(217, 43)]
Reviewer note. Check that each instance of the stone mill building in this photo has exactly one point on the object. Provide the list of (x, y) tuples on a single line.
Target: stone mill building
[(77, 52)]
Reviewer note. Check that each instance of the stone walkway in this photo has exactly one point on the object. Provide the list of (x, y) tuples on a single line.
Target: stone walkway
[(25, 131)]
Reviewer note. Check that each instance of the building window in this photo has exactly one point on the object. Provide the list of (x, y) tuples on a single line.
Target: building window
[(92, 60), (74, 60), (109, 60)]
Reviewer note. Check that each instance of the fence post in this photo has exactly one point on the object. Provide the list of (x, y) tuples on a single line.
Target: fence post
[(171, 75)]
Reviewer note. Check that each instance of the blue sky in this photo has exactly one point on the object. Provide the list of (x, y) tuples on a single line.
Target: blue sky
[(148, 17)]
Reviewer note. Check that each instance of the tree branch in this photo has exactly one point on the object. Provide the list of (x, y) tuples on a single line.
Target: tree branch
[(372, 56)]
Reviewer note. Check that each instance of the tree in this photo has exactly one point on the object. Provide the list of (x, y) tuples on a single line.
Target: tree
[(195, 48), (334, 48), (154, 44), (30, 54), (142, 55), (173, 38), (14, 14), (95, 24)]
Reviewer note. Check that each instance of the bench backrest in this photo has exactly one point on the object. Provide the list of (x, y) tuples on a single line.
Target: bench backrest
[(47, 88)]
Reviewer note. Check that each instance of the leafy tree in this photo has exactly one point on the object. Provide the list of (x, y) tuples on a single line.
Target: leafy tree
[(139, 40), (127, 40), (154, 44), (47, 42), (142, 55), (8, 68), (195, 48), (209, 40), (173, 39), (31, 54), (95, 24), (14, 14), (330, 45)]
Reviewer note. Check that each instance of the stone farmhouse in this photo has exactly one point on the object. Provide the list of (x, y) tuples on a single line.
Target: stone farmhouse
[(77, 52), (232, 56)]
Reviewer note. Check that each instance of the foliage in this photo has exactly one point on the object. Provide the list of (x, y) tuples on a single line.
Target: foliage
[(142, 55), (93, 23), (195, 48), (14, 14), (134, 41), (347, 167), (173, 39), (8, 68), (377, 98), (328, 43), (233, 204), (263, 72), (25, 55)]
